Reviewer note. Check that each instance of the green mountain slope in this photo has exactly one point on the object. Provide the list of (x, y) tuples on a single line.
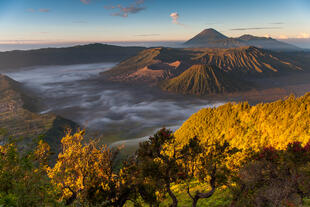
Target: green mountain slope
[(18, 117), (243, 126), (203, 80)]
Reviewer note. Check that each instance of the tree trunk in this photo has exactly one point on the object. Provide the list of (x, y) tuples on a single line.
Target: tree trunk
[(208, 194), (123, 199), (173, 197), (195, 201), (202, 195), (72, 198)]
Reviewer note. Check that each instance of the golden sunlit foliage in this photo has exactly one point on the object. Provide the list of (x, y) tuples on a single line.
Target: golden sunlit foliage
[(86, 173), (81, 166), (250, 127)]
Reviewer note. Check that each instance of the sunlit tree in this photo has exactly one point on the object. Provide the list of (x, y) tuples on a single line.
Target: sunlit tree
[(159, 166), (86, 173), (207, 164)]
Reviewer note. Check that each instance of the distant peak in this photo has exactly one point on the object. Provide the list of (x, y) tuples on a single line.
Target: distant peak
[(210, 32), (207, 35), (248, 37)]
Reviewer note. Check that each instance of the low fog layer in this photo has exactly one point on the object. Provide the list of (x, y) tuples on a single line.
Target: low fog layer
[(117, 111)]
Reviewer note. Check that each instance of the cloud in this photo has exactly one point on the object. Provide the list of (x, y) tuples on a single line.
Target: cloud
[(31, 10), (147, 35), (44, 10), (283, 37), (85, 1), (138, 2), (254, 28), (80, 22), (300, 36), (277, 23), (303, 35), (124, 11), (175, 18), (20, 41)]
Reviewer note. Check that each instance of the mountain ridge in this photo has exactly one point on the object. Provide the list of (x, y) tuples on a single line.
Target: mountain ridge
[(163, 67), (80, 54), (210, 38), (246, 59)]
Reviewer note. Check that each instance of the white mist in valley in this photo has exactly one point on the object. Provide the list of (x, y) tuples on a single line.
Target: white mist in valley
[(119, 112)]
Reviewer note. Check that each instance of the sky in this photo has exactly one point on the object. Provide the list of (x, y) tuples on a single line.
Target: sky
[(70, 21)]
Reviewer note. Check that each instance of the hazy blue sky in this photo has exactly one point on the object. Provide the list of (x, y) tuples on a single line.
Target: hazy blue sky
[(41, 21)]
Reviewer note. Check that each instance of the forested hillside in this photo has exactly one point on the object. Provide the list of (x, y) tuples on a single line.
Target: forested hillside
[(251, 127)]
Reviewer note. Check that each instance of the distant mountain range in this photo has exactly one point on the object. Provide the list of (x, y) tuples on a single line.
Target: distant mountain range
[(203, 71), (19, 119), (211, 38), (83, 54), (213, 63)]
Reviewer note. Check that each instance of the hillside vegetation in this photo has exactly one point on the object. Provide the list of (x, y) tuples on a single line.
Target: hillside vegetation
[(249, 127)]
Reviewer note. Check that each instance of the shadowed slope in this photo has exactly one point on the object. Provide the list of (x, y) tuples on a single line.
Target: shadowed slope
[(82, 54), (17, 116)]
